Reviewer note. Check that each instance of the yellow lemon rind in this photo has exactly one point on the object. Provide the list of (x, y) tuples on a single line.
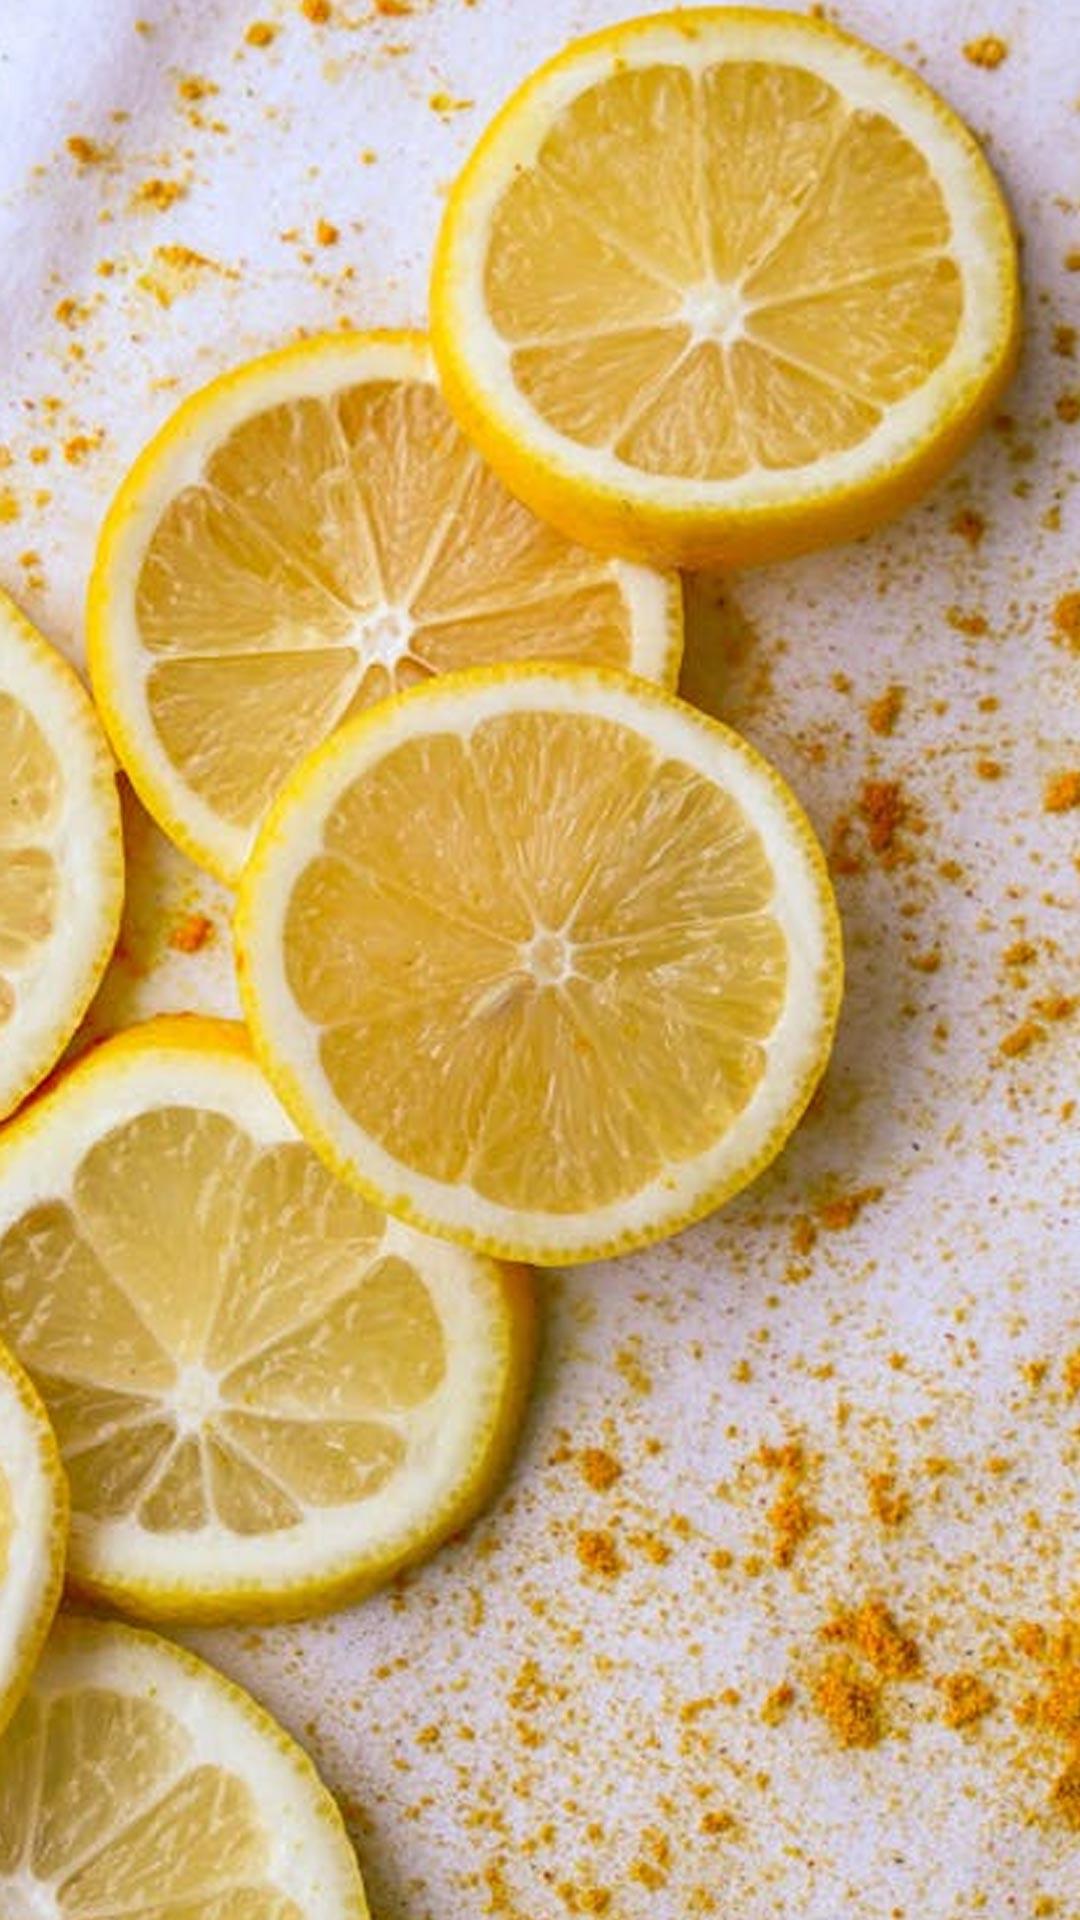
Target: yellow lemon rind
[(51, 1494), (664, 521), (316, 366), (108, 1654), (510, 1298), (540, 1240), (51, 690)]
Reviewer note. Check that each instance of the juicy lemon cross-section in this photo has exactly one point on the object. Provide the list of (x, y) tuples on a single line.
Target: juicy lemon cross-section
[(61, 855), (268, 1396), (306, 535), (542, 959), (721, 285), (33, 1532), (135, 1781)]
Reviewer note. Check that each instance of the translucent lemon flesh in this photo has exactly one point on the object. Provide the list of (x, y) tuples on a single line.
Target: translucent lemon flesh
[(337, 548), (105, 1808), (217, 1333), (554, 938), (137, 1784), (31, 788), (748, 271), (541, 959), (33, 1532)]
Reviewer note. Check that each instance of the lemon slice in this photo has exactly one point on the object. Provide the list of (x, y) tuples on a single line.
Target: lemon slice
[(721, 285), (139, 1784), (33, 1533), (268, 1396), (542, 959), (61, 856), (305, 536)]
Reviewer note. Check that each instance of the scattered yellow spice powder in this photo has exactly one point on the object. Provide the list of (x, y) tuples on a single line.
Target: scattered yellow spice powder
[(842, 1211), (969, 524), (1065, 1795), (889, 1504), (193, 87), (598, 1553), (194, 932), (1066, 618), (159, 194), (1022, 953), (599, 1468), (966, 1698), (791, 1517), (1021, 1040), (884, 810), (883, 713), (719, 1822), (987, 51), (88, 153), (875, 1633), (1062, 792), (849, 1704), (777, 1702), (975, 625)]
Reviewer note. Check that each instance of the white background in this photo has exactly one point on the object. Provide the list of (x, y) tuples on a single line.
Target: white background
[(514, 1735)]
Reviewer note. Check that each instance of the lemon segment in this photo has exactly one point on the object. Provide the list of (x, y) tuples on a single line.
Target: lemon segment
[(135, 1780), (61, 856), (33, 1531), (268, 1396), (542, 959), (720, 285), (305, 536)]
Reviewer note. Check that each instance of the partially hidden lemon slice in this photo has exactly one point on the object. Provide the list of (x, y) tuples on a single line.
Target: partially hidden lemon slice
[(268, 1396), (307, 535), (139, 1784), (720, 285), (33, 1533), (61, 855), (543, 959)]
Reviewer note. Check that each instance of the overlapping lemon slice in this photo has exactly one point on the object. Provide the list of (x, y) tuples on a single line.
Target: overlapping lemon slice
[(268, 1396), (304, 536), (136, 1783), (723, 284), (61, 855), (33, 1531), (541, 958)]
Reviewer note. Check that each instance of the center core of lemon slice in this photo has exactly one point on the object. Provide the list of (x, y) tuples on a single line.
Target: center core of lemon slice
[(195, 1397), (385, 637), (549, 958), (24, 1898), (714, 310)]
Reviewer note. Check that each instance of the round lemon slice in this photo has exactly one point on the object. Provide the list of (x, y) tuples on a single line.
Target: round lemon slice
[(721, 285), (61, 856), (268, 1396), (542, 959), (33, 1532), (307, 535), (135, 1781)]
